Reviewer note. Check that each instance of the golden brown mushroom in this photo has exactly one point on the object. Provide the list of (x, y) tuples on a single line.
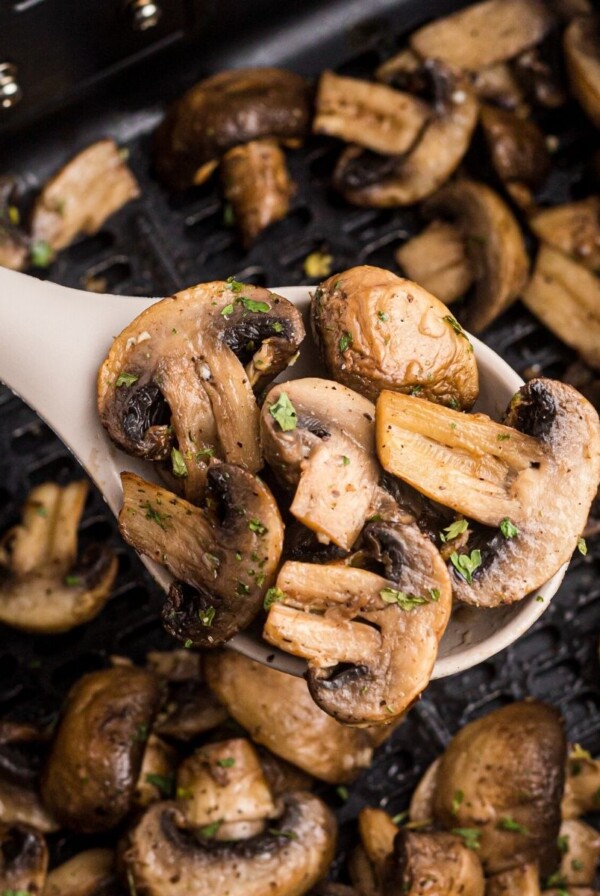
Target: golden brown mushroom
[(582, 57)]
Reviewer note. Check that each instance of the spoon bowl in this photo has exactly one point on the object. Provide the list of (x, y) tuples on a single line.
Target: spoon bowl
[(52, 342)]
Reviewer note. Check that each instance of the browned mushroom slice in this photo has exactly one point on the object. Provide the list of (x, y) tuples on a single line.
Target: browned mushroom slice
[(90, 188), (582, 784), (421, 802), (278, 711), (497, 84), (163, 858), (518, 151), (318, 437), (573, 228), (174, 384), (579, 844), (443, 860), (546, 454), (44, 586), (483, 33), (227, 552), (257, 183), (540, 78), (367, 862), (366, 178), (370, 640), (23, 860), (523, 880), (378, 331), (565, 296), (582, 57), (222, 785), (494, 246), (501, 778), (157, 772), (20, 804), (89, 873), (436, 259), (402, 68), (377, 117), (224, 111), (93, 767)]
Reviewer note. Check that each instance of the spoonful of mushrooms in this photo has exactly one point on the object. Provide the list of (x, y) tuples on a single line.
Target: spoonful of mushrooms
[(168, 429)]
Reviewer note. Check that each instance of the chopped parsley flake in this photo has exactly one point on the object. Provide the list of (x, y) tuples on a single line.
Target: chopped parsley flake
[(345, 460), (277, 327), (563, 844), (509, 824), (252, 305), (228, 215), (457, 800), (470, 836), (454, 530), (345, 341), (290, 835), (241, 588), (207, 616), (126, 379), (187, 644), (273, 596), (228, 762), (234, 285), (72, 581), (466, 564), (503, 437), (540, 599), (155, 515), (342, 792), (141, 733), (209, 830), (255, 525), (227, 311), (41, 254), (163, 783), (576, 864), (284, 413), (508, 528), (582, 546), (382, 315), (404, 601), (402, 816), (41, 511), (204, 452), (178, 464), (454, 324)]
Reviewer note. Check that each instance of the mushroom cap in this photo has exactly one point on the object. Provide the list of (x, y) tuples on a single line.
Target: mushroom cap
[(44, 586), (226, 110), (509, 767), (89, 873), (521, 881), (94, 763), (379, 331), (582, 785), (580, 847), (440, 859), (494, 246), (278, 711), (91, 187), (175, 377), (23, 859), (573, 228), (163, 857), (582, 58), (227, 552)]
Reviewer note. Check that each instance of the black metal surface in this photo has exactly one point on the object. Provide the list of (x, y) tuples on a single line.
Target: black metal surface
[(163, 242)]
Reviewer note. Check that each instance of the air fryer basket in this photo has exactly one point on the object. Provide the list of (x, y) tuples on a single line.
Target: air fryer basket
[(163, 242)]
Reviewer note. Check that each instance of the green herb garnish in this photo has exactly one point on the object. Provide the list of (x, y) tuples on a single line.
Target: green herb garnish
[(206, 616), (345, 460), (255, 525), (382, 315), (466, 564), (345, 341), (508, 528), (289, 835), (457, 800), (273, 596), (155, 515), (178, 464), (209, 830), (126, 379), (454, 530), (582, 546), (41, 254), (251, 305), (470, 836), (277, 327), (405, 601), (163, 783), (234, 285), (228, 762), (509, 824), (227, 311), (72, 581), (284, 413), (342, 792)]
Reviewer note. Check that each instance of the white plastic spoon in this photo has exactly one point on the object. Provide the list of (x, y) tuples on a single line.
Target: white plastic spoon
[(52, 341)]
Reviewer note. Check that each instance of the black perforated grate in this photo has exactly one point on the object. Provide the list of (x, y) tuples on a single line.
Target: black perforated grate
[(163, 242)]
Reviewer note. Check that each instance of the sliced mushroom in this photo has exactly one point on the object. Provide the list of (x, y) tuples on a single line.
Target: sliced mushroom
[(90, 188), (573, 228), (227, 552), (190, 710), (328, 455), (436, 259), (498, 84), (45, 587), (403, 70), (565, 296), (493, 243), (91, 773), (579, 844), (483, 33), (23, 860), (421, 802), (370, 640), (174, 379), (546, 454), (366, 178), (518, 151), (378, 331), (436, 861), (89, 873), (367, 863), (582, 58), (541, 76), (281, 776), (157, 772), (174, 666), (20, 804), (375, 116), (257, 183), (501, 777), (278, 711), (521, 881), (164, 859), (226, 110), (582, 784), (222, 787)]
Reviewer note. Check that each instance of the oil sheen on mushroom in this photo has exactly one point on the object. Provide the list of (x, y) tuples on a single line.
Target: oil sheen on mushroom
[(378, 331), (178, 383)]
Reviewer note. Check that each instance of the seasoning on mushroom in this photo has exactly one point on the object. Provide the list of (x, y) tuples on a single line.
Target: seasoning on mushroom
[(177, 384), (278, 711), (582, 784), (378, 331), (442, 859), (224, 556), (501, 475), (45, 587), (90, 188), (370, 639), (157, 772), (524, 880), (91, 772), (367, 178), (582, 58), (579, 844)]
